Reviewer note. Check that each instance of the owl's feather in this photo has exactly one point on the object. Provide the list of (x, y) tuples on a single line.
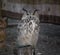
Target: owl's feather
[(28, 29)]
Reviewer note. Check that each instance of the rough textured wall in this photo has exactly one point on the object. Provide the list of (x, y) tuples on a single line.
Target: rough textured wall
[(44, 9), (36, 1)]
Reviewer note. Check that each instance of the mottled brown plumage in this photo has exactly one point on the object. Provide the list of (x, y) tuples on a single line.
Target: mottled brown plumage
[(28, 29)]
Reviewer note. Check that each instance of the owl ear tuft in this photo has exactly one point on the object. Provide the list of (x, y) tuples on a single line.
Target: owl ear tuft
[(25, 11), (35, 11)]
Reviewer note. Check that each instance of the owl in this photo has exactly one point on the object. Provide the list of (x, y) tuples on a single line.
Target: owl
[(28, 29)]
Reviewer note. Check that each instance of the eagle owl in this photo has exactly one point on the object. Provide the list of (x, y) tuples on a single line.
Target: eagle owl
[(28, 29)]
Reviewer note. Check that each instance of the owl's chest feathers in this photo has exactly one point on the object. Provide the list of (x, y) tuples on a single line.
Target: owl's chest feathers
[(27, 28)]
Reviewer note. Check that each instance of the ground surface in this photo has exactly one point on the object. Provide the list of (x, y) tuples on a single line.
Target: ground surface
[(48, 43)]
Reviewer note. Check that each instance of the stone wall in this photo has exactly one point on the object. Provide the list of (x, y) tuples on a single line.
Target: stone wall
[(35, 1), (44, 9)]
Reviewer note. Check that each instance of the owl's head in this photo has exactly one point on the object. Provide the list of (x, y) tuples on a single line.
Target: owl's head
[(27, 15)]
